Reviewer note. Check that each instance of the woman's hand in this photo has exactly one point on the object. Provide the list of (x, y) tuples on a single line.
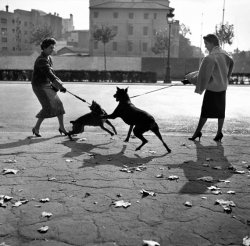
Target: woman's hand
[(63, 90)]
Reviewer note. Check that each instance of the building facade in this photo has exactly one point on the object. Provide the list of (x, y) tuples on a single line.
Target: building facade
[(135, 23), (17, 27)]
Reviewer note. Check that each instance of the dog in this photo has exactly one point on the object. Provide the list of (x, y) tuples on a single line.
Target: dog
[(138, 120), (93, 118)]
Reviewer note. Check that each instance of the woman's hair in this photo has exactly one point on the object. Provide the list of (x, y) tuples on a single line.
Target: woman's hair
[(212, 38), (47, 42)]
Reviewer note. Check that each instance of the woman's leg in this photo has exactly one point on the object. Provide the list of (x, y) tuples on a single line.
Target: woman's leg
[(220, 125), (38, 124), (201, 123), (197, 132), (61, 124)]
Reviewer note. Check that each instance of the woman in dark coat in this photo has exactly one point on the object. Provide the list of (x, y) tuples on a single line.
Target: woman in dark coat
[(45, 85)]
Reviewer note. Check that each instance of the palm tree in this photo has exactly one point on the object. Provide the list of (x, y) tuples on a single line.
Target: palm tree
[(104, 35)]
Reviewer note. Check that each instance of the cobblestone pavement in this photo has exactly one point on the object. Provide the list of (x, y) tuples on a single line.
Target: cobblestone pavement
[(83, 179)]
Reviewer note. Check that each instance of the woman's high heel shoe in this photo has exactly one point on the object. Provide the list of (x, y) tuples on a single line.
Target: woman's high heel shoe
[(218, 137), (62, 132), (198, 135), (35, 133)]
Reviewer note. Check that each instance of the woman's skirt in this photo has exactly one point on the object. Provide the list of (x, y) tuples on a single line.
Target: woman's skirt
[(49, 100), (214, 104)]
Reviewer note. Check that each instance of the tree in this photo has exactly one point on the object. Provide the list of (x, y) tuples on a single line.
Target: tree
[(39, 34), (225, 33), (184, 30), (161, 45), (104, 34)]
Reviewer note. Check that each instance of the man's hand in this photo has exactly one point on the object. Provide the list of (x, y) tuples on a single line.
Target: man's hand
[(185, 81)]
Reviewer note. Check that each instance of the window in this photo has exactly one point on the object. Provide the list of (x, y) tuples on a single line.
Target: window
[(115, 15), (130, 46), (4, 48), (131, 15), (115, 29), (144, 47), (96, 14), (114, 46), (146, 15), (13, 21), (145, 30), (4, 31), (3, 21), (155, 15), (4, 40), (130, 29), (13, 30), (13, 48)]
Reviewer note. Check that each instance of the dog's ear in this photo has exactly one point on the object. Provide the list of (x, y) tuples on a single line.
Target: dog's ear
[(126, 90), (117, 88)]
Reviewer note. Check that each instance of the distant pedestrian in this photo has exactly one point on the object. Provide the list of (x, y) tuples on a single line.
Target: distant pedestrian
[(45, 85), (213, 78)]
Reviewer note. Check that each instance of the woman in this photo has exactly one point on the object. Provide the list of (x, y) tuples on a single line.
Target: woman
[(45, 85), (213, 77)]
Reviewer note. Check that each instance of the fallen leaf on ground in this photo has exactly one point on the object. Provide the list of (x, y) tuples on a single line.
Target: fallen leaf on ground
[(9, 161), (206, 179), (43, 229), (46, 214), (224, 181), (6, 198), (231, 192), (19, 203), (82, 139), (213, 187), (122, 203), (246, 241), (147, 193), (239, 171), (2, 204), (43, 200), (150, 243), (173, 177), (4, 244), (9, 171), (68, 160), (159, 176), (217, 167), (226, 205), (188, 204), (52, 179)]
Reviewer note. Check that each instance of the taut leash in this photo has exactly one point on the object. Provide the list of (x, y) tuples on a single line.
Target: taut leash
[(152, 91), (78, 97)]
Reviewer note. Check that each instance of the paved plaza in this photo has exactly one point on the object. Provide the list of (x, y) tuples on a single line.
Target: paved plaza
[(198, 195)]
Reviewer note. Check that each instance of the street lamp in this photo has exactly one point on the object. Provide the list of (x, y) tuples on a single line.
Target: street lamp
[(170, 21)]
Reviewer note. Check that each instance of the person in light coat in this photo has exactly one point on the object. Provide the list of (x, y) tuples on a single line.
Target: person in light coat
[(213, 78)]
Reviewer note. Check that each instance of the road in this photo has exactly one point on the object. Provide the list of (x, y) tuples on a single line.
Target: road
[(176, 108)]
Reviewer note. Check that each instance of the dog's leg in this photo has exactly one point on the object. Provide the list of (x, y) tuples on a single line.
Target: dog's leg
[(156, 131), (138, 133), (107, 130), (109, 123), (129, 133)]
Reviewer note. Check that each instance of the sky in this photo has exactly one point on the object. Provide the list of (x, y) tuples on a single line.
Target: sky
[(201, 16)]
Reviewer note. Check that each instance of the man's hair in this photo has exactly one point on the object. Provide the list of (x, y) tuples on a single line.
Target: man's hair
[(47, 42), (212, 38)]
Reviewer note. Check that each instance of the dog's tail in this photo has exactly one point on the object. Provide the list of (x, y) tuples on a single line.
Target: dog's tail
[(155, 129)]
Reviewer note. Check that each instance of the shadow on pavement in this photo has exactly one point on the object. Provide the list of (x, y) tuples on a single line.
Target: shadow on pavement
[(26, 141), (212, 162), (118, 159)]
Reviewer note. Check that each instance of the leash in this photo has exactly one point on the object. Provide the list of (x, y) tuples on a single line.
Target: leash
[(78, 97), (152, 91)]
